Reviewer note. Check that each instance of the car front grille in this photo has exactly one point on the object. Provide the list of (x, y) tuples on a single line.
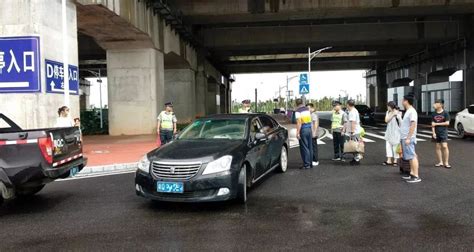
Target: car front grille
[(175, 170)]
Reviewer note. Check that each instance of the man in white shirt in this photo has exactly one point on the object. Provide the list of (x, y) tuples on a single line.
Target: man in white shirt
[(353, 128), (408, 129)]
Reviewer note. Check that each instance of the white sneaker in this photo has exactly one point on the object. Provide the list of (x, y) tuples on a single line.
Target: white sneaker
[(315, 163)]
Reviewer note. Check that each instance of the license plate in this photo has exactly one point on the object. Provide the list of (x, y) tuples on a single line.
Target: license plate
[(366, 117), (170, 187)]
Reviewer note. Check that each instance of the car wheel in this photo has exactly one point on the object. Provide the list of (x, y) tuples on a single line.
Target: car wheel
[(461, 132), (283, 166), (28, 191), (242, 186)]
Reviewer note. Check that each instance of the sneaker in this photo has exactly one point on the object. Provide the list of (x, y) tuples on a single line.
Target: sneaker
[(336, 159), (315, 163), (413, 179), (406, 177), (304, 167)]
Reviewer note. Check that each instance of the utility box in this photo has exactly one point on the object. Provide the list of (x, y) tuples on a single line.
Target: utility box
[(450, 91), (396, 94)]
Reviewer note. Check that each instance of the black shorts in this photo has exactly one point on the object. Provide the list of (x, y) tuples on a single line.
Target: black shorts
[(441, 138)]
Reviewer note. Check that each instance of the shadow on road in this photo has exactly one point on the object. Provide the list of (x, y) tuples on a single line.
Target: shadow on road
[(32, 204)]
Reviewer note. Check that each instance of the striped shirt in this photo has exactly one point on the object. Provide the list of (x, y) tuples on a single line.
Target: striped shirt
[(304, 115)]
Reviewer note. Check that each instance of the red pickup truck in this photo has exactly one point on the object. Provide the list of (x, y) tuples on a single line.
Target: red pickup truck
[(29, 159)]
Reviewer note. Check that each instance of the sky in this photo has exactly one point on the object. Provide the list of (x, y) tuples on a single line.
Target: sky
[(323, 83)]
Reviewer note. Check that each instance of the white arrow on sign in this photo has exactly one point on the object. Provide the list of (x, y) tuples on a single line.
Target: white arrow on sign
[(54, 89)]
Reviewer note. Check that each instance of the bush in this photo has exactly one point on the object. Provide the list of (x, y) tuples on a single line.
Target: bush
[(90, 122)]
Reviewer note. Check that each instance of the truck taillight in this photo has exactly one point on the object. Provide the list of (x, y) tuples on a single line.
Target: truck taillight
[(46, 147)]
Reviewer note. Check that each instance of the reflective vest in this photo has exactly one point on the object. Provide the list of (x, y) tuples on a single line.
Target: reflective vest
[(166, 120), (336, 120)]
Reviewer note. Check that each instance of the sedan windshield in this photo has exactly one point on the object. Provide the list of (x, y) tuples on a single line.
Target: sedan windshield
[(233, 129)]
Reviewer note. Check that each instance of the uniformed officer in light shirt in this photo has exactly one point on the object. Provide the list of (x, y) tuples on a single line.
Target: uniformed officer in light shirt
[(167, 124)]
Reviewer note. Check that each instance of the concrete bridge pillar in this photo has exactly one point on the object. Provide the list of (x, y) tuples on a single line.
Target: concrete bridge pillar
[(381, 87), (201, 93), (180, 89), (136, 88), (212, 101)]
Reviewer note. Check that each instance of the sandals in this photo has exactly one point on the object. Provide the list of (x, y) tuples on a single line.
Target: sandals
[(442, 165)]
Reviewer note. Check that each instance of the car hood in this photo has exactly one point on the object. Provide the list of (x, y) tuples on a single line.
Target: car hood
[(204, 150)]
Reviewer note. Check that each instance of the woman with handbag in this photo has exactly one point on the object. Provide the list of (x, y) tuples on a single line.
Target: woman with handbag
[(393, 119)]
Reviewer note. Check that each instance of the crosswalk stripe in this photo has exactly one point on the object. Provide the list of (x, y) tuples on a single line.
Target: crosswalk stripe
[(366, 140), (374, 135), (450, 133)]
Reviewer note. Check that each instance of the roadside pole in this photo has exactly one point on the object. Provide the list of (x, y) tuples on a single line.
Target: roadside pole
[(256, 106), (65, 54)]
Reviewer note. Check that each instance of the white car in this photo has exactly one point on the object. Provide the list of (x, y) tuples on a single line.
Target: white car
[(464, 123)]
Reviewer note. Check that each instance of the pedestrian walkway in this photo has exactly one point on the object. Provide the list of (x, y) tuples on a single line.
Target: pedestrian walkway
[(110, 150), (377, 133)]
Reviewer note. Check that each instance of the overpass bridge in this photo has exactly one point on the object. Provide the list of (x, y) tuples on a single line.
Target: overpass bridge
[(153, 51)]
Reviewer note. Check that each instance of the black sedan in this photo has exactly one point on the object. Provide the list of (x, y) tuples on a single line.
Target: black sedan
[(216, 158), (367, 115)]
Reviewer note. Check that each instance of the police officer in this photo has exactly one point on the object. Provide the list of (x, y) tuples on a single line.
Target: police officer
[(245, 107), (167, 124)]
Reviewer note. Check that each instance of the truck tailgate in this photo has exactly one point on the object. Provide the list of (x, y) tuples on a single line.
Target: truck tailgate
[(67, 145)]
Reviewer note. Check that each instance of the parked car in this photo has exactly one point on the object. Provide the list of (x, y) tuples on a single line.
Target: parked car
[(29, 159), (464, 123), (216, 158), (367, 116)]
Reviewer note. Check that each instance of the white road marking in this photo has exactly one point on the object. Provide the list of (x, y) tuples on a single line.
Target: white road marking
[(375, 135)]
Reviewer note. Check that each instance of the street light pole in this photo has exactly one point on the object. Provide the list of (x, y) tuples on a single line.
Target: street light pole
[(99, 80), (312, 55)]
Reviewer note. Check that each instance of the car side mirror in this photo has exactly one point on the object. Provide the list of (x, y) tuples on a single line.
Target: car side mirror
[(260, 136)]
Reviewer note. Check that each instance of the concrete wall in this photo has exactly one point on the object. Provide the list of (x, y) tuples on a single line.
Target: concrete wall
[(180, 88), (34, 17), (136, 88)]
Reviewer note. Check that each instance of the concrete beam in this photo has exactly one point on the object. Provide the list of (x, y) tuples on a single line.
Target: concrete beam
[(240, 11), (297, 67), (332, 35)]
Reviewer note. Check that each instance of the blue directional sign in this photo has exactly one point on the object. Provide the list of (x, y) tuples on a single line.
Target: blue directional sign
[(20, 65), (55, 78)]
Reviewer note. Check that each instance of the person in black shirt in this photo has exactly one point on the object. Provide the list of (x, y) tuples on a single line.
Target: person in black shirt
[(439, 125)]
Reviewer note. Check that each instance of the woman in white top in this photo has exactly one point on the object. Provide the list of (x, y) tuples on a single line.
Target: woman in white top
[(64, 120), (393, 118)]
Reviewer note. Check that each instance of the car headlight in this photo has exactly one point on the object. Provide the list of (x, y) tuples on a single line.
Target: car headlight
[(144, 164), (220, 165)]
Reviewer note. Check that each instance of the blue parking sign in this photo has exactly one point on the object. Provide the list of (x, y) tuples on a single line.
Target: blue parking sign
[(20, 70), (55, 78), (303, 78)]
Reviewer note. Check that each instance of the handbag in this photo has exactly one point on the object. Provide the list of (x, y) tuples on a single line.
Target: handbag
[(354, 146)]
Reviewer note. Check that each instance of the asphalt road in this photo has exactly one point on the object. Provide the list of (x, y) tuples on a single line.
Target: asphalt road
[(332, 207)]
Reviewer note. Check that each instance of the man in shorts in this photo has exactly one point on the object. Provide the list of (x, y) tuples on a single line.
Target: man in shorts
[(439, 125), (408, 130)]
